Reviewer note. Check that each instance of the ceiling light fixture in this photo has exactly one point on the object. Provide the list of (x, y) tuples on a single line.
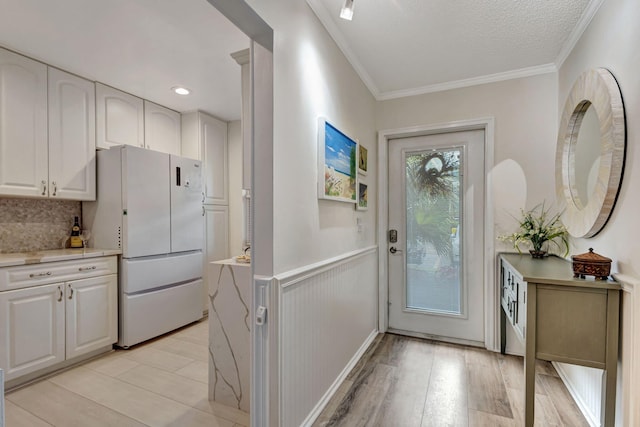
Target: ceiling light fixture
[(347, 10), (181, 90)]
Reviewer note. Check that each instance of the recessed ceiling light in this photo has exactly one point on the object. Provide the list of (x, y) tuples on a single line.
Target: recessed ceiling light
[(181, 90)]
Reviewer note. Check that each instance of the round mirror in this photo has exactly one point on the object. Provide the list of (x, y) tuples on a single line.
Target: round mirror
[(590, 153)]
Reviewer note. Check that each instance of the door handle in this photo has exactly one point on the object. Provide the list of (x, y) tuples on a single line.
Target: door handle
[(393, 250)]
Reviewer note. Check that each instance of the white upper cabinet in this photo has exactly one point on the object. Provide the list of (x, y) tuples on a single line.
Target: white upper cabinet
[(161, 128), (120, 118), (72, 137), (205, 138), (23, 126)]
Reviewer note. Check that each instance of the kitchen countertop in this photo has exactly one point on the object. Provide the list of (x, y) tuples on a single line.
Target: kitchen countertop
[(23, 258), (231, 261)]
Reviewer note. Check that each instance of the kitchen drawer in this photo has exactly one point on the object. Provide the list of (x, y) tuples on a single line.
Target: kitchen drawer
[(25, 276)]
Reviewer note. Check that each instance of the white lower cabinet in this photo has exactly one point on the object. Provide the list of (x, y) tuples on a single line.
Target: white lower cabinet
[(44, 325), (91, 314), (32, 329)]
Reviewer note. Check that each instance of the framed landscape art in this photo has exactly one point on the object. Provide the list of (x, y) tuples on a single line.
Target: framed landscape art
[(337, 164)]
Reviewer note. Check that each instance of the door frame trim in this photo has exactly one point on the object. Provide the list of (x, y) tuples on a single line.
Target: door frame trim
[(487, 124)]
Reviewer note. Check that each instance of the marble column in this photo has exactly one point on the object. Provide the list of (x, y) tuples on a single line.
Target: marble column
[(229, 333)]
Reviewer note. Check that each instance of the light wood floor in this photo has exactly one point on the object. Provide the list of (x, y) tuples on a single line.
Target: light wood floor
[(400, 382), (159, 383), (406, 382)]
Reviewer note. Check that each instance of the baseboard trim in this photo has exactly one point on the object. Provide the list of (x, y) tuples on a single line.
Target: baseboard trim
[(58, 368), (436, 338), (322, 403), (584, 408)]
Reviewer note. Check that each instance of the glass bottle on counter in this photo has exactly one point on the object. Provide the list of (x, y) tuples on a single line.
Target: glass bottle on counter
[(76, 240)]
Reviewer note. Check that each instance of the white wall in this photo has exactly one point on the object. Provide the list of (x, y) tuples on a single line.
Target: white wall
[(525, 115), (313, 78), (234, 141), (611, 41)]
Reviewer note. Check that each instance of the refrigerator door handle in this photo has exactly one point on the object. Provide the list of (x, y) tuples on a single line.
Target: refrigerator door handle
[(178, 176)]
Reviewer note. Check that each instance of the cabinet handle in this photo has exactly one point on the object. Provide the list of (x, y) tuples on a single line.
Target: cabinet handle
[(70, 291), (55, 188), (44, 187), (203, 197), (93, 267), (32, 275), (203, 211), (60, 295)]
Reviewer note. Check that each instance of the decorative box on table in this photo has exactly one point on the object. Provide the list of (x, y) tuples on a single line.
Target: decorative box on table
[(591, 264)]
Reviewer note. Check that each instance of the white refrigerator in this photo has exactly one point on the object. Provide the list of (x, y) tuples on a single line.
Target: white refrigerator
[(149, 205)]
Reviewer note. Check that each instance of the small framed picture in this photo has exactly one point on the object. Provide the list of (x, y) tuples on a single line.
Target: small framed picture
[(362, 160), (363, 202), (337, 164)]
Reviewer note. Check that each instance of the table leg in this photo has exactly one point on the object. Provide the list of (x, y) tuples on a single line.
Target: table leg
[(503, 330), (530, 357), (610, 374)]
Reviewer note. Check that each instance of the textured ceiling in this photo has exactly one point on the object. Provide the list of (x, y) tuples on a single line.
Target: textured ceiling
[(144, 47), (398, 47), (403, 47)]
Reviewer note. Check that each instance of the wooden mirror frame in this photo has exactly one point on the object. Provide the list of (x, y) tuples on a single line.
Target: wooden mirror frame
[(595, 88)]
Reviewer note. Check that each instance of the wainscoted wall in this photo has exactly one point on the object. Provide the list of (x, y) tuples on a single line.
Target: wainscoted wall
[(585, 385), (35, 224), (327, 318)]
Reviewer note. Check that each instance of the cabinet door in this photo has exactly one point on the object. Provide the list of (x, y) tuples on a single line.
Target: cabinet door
[(119, 118), (213, 135), (161, 129), (92, 314), (216, 247), (23, 125), (72, 137), (32, 334)]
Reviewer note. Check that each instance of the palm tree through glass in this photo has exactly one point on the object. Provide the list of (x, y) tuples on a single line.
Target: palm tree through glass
[(433, 199)]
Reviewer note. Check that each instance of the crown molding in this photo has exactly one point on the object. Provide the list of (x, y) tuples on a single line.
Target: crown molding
[(584, 21), (474, 81), (325, 18)]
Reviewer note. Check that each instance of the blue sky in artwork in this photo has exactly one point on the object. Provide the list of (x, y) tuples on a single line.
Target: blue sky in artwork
[(337, 153)]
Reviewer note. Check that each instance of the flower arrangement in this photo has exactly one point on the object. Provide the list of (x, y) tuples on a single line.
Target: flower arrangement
[(536, 227)]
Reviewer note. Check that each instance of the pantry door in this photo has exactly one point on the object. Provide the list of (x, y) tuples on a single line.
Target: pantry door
[(436, 236)]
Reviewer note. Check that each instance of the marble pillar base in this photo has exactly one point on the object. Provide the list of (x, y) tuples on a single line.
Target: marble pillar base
[(229, 333)]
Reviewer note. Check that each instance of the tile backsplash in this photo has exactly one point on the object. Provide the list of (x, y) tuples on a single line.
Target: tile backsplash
[(28, 225)]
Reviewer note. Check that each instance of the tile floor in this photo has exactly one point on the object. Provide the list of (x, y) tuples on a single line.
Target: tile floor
[(162, 382)]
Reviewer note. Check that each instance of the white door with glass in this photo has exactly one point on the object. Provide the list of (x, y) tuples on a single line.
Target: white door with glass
[(436, 239)]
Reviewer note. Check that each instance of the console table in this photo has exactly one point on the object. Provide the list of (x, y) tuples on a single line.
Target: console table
[(560, 318)]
